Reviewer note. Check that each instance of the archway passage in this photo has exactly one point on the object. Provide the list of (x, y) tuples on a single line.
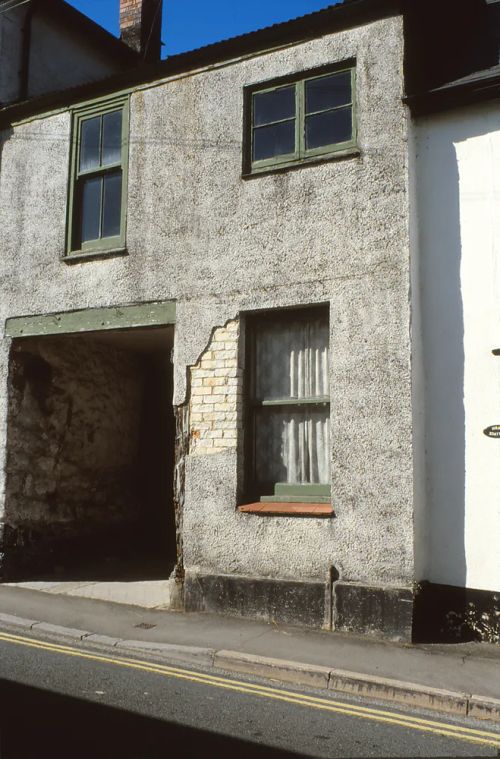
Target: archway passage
[(90, 457)]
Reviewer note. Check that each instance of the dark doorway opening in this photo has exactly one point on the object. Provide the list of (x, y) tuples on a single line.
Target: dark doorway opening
[(90, 457), (156, 463)]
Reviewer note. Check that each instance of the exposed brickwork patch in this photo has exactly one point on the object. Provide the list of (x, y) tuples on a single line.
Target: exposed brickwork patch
[(216, 393)]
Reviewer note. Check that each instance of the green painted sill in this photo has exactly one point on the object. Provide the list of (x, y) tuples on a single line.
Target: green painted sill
[(79, 257), (301, 163)]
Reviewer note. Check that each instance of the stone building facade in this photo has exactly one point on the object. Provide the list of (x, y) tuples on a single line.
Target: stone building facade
[(213, 250)]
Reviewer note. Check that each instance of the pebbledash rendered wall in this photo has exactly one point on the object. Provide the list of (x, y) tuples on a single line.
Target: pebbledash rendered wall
[(221, 245)]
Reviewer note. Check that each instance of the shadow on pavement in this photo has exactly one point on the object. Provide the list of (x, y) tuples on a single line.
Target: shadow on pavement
[(37, 723)]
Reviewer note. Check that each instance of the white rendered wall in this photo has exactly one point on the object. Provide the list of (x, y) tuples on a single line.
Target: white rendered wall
[(458, 209)]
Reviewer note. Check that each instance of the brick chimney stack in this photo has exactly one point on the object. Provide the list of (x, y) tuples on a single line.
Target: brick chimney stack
[(140, 27)]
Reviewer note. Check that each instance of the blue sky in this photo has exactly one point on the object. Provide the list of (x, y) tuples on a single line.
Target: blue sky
[(188, 24)]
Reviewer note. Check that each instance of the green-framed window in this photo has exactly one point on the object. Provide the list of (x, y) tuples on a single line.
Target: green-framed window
[(98, 178), (300, 120), (287, 446)]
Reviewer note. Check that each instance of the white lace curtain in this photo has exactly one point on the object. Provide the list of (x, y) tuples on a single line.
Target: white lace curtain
[(292, 444)]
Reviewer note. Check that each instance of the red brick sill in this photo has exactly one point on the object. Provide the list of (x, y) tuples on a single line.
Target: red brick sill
[(317, 510)]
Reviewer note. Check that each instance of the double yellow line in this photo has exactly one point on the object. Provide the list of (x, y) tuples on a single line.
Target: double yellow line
[(471, 735)]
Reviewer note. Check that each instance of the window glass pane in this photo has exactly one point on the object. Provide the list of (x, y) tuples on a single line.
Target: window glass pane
[(91, 209), (291, 359), (112, 204), (328, 128), (292, 446), (274, 106), (90, 143), (275, 140), (111, 138), (328, 92)]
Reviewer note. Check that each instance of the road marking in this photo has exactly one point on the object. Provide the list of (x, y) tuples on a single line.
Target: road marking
[(471, 735)]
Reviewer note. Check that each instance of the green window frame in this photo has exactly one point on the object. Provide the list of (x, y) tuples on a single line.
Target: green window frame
[(256, 404), (300, 120), (106, 178)]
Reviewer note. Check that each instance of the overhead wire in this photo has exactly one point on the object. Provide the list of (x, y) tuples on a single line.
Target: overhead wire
[(11, 7), (153, 22)]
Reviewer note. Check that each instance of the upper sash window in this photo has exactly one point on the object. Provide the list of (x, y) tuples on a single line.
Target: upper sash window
[(98, 178)]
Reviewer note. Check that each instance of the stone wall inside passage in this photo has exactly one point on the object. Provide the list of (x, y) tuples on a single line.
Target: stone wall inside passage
[(73, 439)]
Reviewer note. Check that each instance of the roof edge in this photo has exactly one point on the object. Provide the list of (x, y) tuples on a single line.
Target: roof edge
[(454, 96), (348, 14)]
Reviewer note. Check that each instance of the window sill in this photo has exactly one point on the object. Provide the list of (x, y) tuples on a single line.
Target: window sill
[(280, 509), (339, 155), (78, 256)]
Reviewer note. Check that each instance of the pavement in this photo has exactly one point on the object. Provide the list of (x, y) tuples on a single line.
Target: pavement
[(462, 679), (149, 594)]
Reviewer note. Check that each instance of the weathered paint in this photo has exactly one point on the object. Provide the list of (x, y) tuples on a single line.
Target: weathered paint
[(92, 320)]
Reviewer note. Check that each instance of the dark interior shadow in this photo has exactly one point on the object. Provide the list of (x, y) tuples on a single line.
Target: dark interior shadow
[(37, 723), (156, 461), (462, 39), (442, 599), (74, 516), (115, 554)]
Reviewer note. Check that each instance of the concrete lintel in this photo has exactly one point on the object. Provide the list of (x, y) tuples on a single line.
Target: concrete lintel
[(92, 320)]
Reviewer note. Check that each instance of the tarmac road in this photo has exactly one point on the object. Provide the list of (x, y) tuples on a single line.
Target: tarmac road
[(75, 701)]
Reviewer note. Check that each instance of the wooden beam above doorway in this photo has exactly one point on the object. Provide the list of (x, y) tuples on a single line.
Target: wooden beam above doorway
[(92, 320)]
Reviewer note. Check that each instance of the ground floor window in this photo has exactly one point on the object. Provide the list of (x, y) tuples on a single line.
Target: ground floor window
[(288, 406)]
